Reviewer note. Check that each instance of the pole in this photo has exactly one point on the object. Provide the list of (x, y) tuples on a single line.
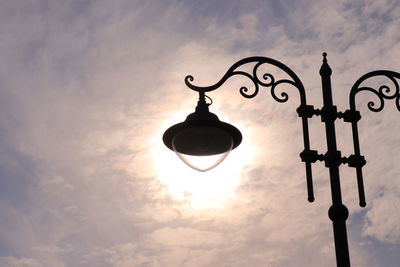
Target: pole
[(338, 213)]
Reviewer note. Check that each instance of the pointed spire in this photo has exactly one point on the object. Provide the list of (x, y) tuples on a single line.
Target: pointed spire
[(325, 69)]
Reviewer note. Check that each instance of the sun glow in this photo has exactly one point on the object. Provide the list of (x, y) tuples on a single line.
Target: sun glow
[(201, 190)]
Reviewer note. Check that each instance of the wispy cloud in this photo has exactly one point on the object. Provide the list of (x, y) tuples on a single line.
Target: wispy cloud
[(88, 87)]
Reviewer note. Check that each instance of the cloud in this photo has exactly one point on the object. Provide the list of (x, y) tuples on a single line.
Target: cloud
[(381, 226), (23, 262), (87, 89)]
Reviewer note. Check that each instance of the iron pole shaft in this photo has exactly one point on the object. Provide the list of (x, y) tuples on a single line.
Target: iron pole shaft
[(338, 213)]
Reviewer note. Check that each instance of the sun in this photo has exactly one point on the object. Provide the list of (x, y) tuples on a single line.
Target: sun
[(212, 189)]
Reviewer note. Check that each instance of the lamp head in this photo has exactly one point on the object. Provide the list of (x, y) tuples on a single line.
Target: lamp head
[(202, 137)]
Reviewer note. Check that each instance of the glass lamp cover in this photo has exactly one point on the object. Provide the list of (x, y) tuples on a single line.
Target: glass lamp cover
[(202, 148), (203, 163)]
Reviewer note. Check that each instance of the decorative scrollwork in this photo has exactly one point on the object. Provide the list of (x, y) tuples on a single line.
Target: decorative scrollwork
[(265, 80), (383, 92), (283, 95)]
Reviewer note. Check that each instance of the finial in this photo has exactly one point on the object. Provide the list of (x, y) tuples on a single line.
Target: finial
[(325, 69), (324, 55)]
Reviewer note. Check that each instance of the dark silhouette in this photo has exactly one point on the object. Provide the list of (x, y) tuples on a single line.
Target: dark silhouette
[(338, 212)]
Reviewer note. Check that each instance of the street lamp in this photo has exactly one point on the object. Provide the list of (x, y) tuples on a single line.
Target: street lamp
[(202, 141), (202, 134)]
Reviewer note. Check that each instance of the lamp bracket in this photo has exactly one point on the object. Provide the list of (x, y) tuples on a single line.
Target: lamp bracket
[(355, 161), (349, 115), (307, 111), (332, 159)]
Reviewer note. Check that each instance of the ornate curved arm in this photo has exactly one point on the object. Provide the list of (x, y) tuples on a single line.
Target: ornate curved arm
[(266, 80), (383, 92)]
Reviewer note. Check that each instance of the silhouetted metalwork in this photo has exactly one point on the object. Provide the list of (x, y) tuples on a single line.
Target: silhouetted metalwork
[(382, 93), (202, 134), (338, 212), (268, 80)]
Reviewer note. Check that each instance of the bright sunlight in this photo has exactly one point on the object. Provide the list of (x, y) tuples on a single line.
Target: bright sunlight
[(202, 190)]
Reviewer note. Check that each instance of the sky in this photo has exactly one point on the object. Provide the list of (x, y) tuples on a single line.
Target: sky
[(87, 89)]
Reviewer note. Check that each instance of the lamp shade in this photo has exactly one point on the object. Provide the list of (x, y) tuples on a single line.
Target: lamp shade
[(202, 141)]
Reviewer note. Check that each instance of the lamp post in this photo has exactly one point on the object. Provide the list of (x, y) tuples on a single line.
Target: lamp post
[(202, 134)]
